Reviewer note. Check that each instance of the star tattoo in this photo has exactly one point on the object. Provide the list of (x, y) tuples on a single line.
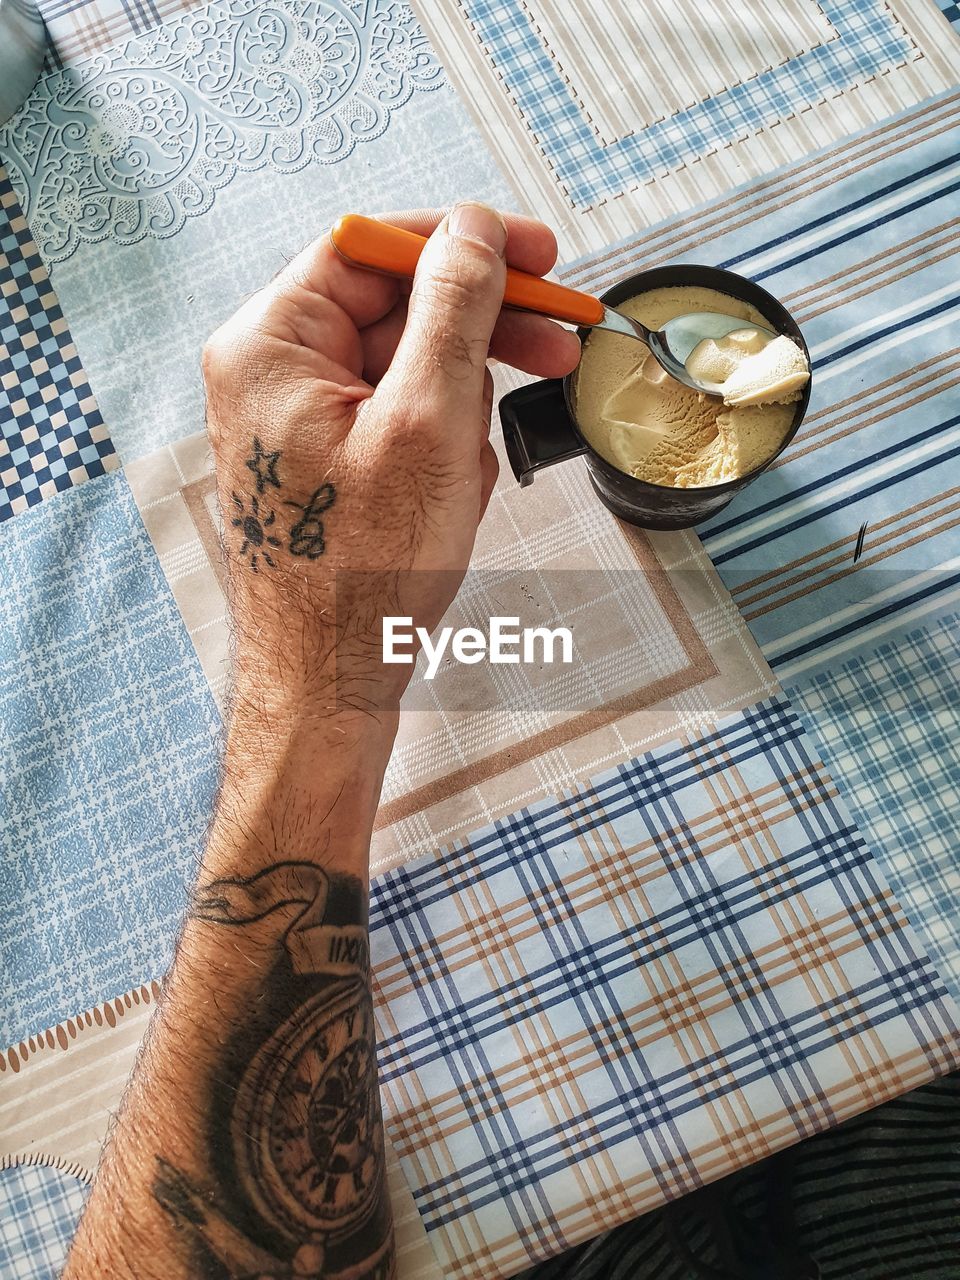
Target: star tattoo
[(264, 466)]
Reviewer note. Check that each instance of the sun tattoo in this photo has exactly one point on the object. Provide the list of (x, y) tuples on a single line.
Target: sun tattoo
[(256, 539)]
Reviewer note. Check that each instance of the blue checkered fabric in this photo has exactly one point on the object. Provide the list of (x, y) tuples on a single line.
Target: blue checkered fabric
[(887, 722), (109, 739), (611, 996), (40, 1207), (53, 436), (950, 10), (869, 41)]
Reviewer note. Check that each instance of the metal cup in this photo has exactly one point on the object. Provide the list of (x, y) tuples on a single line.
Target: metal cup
[(23, 40), (540, 422)]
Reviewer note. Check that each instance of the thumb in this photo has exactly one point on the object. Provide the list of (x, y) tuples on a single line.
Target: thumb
[(457, 293)]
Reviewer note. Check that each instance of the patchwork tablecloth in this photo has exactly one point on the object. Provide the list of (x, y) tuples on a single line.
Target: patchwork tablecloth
[(633, 927)]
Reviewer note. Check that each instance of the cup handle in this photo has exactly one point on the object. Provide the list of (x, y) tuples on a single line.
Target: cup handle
[(537, 428)]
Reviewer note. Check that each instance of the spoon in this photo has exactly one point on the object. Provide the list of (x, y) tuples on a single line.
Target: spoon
[(365, 242)]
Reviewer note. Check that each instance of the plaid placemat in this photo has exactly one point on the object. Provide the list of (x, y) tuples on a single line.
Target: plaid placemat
[(562, 94), (655, 652), (889, 721), (617, 994)]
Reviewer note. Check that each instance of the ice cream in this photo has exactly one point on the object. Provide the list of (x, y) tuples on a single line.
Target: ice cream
[(749, 367), (650, 426)]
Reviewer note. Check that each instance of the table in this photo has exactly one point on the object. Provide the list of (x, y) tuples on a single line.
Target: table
[(634, 928)]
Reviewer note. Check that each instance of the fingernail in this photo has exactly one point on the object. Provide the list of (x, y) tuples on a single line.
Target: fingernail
[(478, 222)]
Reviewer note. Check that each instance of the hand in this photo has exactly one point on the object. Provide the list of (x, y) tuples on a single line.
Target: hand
[(349, 416)]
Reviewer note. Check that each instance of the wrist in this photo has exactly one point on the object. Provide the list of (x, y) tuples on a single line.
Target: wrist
[(338, 676), (298, 781), (268, 715)]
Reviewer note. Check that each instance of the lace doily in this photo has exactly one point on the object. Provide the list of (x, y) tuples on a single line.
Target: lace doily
[(141, 137)]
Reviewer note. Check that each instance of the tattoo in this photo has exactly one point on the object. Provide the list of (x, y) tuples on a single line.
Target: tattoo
[(295, 1135), (306, 536), (264, 466), (256, 539)]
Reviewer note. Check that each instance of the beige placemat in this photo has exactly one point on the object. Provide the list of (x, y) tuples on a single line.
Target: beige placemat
[(660, 647)]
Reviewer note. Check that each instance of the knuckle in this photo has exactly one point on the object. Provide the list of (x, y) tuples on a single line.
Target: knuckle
[(464, 273), (220, 352), (230, 356), (414, 424), (212, 355)]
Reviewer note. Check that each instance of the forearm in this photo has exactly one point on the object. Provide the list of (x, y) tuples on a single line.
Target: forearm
[(250, 1141)]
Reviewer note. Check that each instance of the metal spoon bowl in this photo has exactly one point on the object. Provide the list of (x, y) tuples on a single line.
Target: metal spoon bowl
[(673, 344)]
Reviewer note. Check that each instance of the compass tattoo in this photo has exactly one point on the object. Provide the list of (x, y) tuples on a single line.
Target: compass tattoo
[(295, 1133)]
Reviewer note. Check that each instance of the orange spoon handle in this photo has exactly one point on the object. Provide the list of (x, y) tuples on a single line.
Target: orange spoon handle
[(369, 243)]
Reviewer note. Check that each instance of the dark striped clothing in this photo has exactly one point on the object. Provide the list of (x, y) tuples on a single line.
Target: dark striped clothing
[(877, 1198)]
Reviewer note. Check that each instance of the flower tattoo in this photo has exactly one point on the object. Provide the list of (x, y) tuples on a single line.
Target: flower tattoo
[(306, 536)]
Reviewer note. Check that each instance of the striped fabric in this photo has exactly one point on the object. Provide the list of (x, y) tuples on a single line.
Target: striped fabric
[(607, 118), (875, 1199), (861, 244), (690, 53), (866, 40), (621, 993)]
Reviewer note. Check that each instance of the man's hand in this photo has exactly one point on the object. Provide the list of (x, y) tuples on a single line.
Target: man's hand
[(350, 426), (350, 419)]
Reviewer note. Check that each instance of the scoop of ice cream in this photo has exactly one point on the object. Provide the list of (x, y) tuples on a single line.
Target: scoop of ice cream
[(654, 428), (749, 367), (655, 422)]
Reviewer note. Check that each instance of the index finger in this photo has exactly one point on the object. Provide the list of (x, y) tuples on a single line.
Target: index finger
[(367, 296)]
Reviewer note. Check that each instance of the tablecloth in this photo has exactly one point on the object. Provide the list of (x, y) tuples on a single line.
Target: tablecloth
[(630, 931)]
